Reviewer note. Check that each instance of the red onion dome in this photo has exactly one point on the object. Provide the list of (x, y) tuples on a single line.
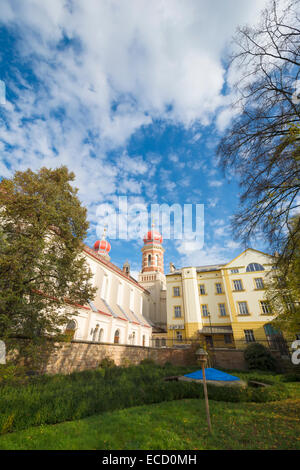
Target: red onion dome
[(153, 237), (102, 245)]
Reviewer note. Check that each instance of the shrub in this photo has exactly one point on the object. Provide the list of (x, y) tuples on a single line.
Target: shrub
[(58, 398), (291, 378), (12, 374), (126, 362), (259, 357), (107, 363), (168, 364), (148, 362)]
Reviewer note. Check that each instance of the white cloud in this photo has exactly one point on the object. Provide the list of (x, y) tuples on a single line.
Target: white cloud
[(215, 183), (212, 202), (120, 65)]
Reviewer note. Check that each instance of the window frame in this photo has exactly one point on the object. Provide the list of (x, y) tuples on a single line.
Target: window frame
[(176, 307), (202, 313), (242, 286), (247, 308), (219, 284), (249, 336), (220, 310), (262, 281), (176, 287), (200, 293)]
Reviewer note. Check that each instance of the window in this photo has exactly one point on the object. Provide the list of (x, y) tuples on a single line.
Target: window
[(117, 337), (209, 341), (156, 260), (290, 304), (177, 312), (178, 335), (265, 307), (100, 336), (227, 338), (234, 271), (176, 291), (222, 309), (202, 289), (204, 310), (237, 285), (120, 294), (254, 267), (95, 333), (243, 308), (219, 288), (70, 329), (144, 340), (259, 283), (131, 300), (104, 290), (249, 336)]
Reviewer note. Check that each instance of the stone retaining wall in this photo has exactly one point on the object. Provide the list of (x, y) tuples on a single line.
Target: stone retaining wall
[(81, 355), (229, 359)]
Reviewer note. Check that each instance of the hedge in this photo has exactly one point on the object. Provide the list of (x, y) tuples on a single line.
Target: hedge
[(54, 399)]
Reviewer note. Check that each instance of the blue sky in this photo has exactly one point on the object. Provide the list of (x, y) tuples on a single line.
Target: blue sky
[(131, 96)]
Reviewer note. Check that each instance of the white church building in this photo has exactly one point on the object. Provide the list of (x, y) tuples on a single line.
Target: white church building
[(124, 310)]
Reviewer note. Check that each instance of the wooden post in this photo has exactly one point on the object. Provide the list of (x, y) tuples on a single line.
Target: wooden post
[(206, 397)]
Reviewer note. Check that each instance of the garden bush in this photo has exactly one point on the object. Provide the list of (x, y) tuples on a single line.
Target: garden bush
[(292, 377), (107, 363), (54, 399), (148, 362), (257, 356), (12, 374)]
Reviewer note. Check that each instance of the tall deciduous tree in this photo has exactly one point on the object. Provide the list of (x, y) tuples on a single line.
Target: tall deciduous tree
[(262, 142), (42, 227), (284, 288)]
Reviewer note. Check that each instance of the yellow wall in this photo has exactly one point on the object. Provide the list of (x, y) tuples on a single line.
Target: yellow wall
[(191, 300)]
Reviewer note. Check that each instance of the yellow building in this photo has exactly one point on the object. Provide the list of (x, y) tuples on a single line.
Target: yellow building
[(224, 304)]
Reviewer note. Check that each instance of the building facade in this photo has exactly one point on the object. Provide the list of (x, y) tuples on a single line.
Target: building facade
[(224, 304), (115, 315), (124, 310)]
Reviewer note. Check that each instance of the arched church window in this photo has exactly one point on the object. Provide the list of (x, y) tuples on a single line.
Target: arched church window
[(144, 340), (71, 328), (254, 267), (117, 337), (95, 333), (133, 337), (149, 260), (100, 336), (156, 260)]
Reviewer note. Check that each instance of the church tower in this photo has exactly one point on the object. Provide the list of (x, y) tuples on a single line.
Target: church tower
[(153, 253), (153, 279)]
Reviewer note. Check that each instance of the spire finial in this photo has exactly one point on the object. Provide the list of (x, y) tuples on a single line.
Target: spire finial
[(104, 232)]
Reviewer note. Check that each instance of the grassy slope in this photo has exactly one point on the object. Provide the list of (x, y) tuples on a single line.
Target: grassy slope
[(172, 425)]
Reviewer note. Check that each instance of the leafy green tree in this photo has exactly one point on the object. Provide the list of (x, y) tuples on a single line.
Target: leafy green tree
[(283, 290), (42, 269)]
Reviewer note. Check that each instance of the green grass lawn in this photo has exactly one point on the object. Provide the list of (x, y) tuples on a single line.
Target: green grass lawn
[(172, 425)]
